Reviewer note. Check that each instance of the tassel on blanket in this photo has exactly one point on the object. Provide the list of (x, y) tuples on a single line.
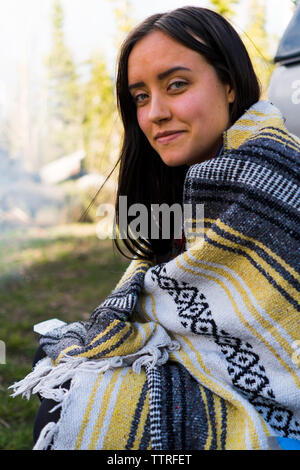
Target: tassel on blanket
[(26, 386), (44, 378), (47, 380), (46, 437), (155, 357)]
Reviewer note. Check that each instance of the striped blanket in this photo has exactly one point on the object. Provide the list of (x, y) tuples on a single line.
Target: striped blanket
[(200, 352)]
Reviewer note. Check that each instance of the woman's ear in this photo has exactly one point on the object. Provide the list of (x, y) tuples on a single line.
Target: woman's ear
[(230, 92)]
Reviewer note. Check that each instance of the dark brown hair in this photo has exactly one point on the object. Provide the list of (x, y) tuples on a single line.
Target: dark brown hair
[(144, 178)]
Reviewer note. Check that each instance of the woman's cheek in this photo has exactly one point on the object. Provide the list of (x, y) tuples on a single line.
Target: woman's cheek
[(188, 106), (142, 120)]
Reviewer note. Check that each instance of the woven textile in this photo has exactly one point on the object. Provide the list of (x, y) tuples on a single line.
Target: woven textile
[(197, 352)]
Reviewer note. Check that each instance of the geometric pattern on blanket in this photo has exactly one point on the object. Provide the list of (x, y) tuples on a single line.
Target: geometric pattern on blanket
[(245, 368)]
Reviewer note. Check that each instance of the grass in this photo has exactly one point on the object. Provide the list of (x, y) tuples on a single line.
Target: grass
[(64, 273)]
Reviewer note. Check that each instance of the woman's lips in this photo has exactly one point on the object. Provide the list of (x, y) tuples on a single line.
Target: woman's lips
[(165, 139)]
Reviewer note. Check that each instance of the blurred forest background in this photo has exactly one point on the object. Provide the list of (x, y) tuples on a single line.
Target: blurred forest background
[(58, 143)]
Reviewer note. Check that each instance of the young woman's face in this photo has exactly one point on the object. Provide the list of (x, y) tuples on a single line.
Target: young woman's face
[(182, 106)]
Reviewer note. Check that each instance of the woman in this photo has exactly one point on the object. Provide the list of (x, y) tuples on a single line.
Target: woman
[(221, 65), (194, 348)]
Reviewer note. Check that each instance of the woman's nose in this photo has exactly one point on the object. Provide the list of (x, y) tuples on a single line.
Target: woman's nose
[(159, 109)]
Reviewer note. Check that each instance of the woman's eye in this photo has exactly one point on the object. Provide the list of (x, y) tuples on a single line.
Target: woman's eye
[(140, 98), (177, 85)]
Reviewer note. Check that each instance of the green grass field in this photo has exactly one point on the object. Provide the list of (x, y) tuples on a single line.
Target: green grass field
[(55, 273)]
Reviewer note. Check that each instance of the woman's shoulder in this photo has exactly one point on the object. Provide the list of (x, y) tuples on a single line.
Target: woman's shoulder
[(262, 124)]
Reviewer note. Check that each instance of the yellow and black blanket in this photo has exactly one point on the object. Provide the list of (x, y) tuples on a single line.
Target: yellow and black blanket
[(200, 352)]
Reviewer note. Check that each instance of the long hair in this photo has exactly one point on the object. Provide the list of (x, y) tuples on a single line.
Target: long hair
[(143, 177)]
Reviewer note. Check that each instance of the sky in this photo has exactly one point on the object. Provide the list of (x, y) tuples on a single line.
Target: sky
[(89, 27)]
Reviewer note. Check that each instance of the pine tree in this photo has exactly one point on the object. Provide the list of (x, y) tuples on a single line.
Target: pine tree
[(100, 117), (63, 103), (101, 131), (21, 130), (102, 128)]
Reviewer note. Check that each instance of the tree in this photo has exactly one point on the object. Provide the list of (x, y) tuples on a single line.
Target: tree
[(123, 15), (101, 124), (100, 129), (224, 7), (258, 43), (63, 101), (21, 130)]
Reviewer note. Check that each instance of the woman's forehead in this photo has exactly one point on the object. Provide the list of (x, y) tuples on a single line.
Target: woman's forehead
[(157, 39), (157, 52)]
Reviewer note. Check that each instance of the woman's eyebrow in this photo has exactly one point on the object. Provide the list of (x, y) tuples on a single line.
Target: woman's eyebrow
[(160, 76), (163, 75)]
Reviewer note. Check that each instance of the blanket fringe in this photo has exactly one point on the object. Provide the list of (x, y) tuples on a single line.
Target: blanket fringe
[(44, 378), (47, 380), (46, 436), (154, 358)]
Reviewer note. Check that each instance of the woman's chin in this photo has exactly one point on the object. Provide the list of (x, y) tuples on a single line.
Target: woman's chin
[(174, 160)]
